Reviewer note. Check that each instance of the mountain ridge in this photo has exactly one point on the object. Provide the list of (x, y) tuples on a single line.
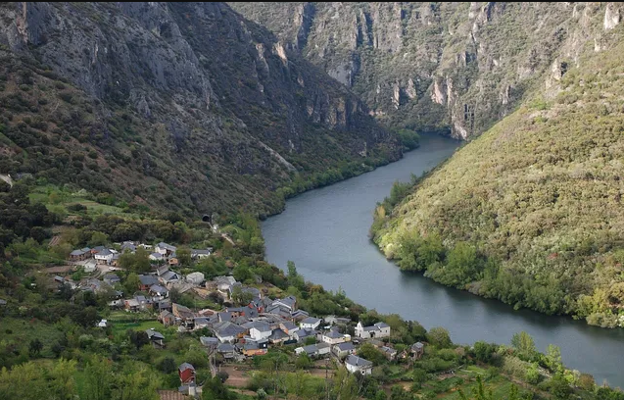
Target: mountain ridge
[(183, 104)]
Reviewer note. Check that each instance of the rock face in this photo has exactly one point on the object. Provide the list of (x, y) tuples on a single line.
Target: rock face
[(438, 66), (188, 98)]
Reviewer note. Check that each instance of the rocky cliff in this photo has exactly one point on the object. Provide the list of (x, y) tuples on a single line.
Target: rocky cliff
[(180, 103), (457, 67)]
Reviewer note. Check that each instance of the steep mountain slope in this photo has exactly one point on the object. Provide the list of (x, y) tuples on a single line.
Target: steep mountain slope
[(459, 67), (531, 212), (180, 104)]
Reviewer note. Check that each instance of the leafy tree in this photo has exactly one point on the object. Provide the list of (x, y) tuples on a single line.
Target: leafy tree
[(214, 389), (372, 354), (553, 357), (167, 365), (184, 255), (98, 239), (483, 351), (97, 379), (34, 347), (439, 337), (532, 375), (132, 283), (137, 262), (559, 387), (398, 393), (138, 338), (240, 297), (523, 343)]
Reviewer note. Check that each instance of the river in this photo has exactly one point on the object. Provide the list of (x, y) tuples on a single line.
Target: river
[(325, 232)]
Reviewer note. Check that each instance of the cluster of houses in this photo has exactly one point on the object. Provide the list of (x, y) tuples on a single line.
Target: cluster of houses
[(161, 253), (237, 332)]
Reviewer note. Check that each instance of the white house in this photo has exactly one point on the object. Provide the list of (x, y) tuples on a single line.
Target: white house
[(156, 257), (104, 257), (260, 331), (357, 364), (196, 278), (165, 249), (378, 330), (335, 337), (90, 266), (310, 323), (343, 349), (314, 349), (199, 254), (169, 277)]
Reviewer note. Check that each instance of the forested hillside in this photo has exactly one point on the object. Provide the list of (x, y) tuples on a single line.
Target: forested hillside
[(531, 212)]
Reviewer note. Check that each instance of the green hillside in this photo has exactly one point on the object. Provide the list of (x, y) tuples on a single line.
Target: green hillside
[(531, 212)]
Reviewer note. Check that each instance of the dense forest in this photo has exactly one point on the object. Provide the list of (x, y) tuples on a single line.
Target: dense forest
[(530, 213)]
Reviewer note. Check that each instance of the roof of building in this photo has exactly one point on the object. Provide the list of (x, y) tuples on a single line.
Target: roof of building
[(111, 277), (333, 334), (346, 346), (166, 246), (225, 348), (310, 320), (152, 334), (261, 326), (185, 366), (302, 333), (79, 252), (197, 252), (228, 329), (104, 253), (289, 325), (382, 325), (148, 280), (169, 276), (156, 256), (358, 362), (278, 334), (158, 289), (417, 346), (208, 341), (310, 349), (387, 349)]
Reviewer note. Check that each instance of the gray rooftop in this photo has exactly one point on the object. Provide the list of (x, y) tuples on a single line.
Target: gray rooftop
[(358, 361), (346, 346)]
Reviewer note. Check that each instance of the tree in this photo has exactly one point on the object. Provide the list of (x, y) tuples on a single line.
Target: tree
[(483, 351), (98, 239), (523, 343), (439, 337), (138, 338), (371, 353), (532, 375), (184, 256), (553, 357), (34, 347), (214, 389), (167, 365), (240, 297), (138, 262), (132, 283), (398, 393), (97, 379), (559, 387)]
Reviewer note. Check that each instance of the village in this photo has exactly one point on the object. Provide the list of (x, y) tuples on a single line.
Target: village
[(247, 324)]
